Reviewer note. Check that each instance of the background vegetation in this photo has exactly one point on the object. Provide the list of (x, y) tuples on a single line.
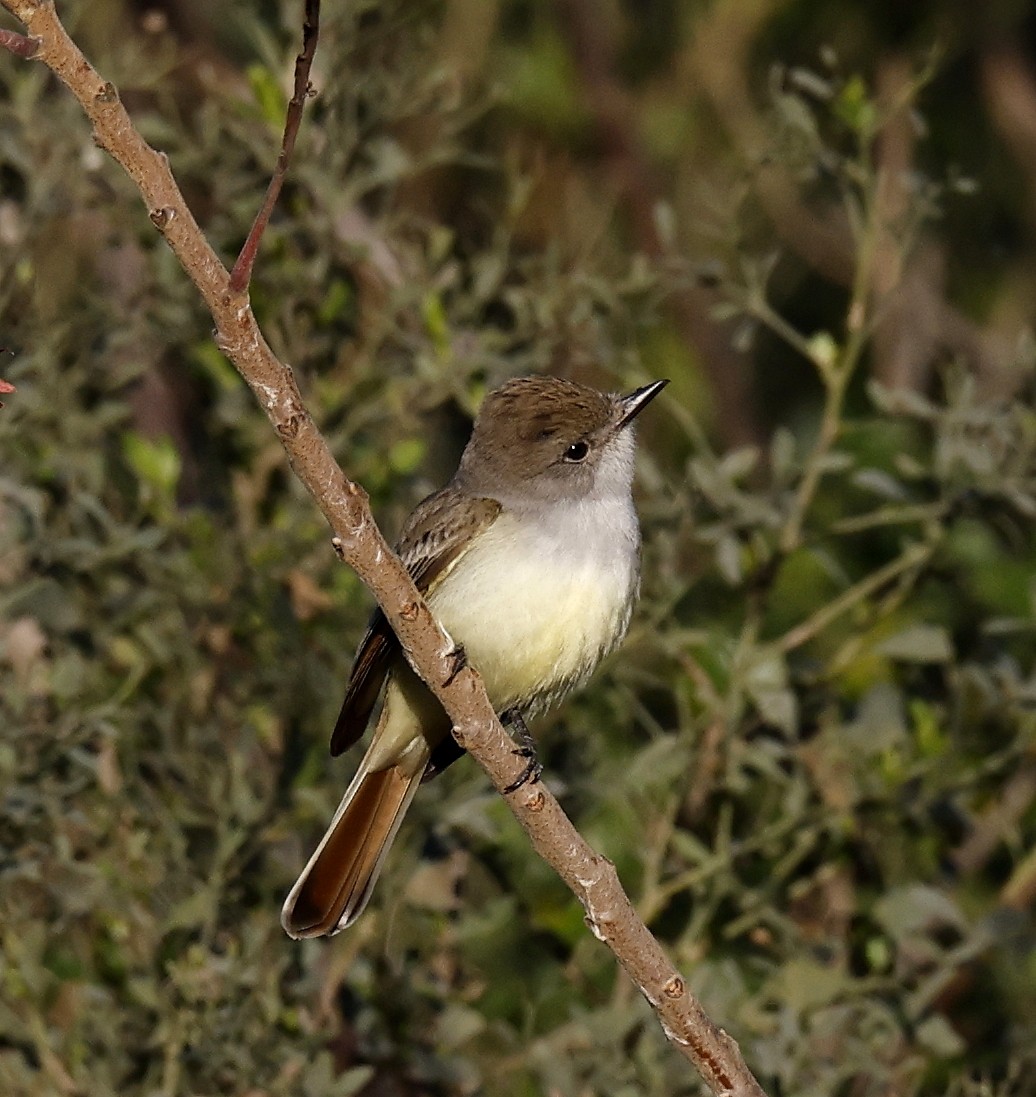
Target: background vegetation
[(812, 761)]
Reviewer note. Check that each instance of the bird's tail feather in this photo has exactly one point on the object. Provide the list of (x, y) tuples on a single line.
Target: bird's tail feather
[(336, 884)]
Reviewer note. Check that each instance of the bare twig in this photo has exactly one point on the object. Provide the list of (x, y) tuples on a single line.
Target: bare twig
[(913, 557), (18, 44), (241, 275), (357, 540)]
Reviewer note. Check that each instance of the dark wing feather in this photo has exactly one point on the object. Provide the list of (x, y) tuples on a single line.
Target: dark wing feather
[(434, 538)]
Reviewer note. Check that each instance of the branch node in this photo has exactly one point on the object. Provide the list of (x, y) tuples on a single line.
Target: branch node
[(339, 547), (410, 611), (674, 988), (107, 93), (291, 426), (593, 924), (160, 218), (536, 802)]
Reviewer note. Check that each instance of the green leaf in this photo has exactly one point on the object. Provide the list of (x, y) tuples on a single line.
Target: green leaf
[(917, 909), (855, 107), (939, 1036), (919, 644), (407, 455), (155, 461), (804, 985), (436, 322), (268, 95)]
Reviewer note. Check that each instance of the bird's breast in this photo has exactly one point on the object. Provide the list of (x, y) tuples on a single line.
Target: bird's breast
[(537, 602)]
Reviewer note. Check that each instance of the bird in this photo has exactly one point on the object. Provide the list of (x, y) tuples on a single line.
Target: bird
[(529, 558)]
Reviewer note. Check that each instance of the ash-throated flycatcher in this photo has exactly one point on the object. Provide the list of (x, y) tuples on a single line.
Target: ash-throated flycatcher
[(530, 560)]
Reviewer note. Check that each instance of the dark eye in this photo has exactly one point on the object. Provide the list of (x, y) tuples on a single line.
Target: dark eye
[(577, 452)]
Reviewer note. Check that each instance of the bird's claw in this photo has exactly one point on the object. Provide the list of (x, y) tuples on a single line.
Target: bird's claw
[(457, 660), (526, 749), (530, 775)]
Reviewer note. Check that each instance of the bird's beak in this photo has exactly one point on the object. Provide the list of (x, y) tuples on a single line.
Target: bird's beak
[(636, 401)]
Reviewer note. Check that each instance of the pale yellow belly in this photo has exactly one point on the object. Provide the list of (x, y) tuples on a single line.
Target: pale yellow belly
[(534, 623), (535, 612)]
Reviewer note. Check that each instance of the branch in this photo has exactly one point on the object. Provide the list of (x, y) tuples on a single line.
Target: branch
[(241, 275), (357, 540)]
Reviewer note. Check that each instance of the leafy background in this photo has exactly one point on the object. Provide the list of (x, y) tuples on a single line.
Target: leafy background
[(813, 759)]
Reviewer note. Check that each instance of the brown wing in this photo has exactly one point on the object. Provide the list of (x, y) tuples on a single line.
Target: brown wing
[(434, 538)]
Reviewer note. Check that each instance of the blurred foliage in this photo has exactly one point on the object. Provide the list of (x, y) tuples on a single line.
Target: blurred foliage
[(812, 761)]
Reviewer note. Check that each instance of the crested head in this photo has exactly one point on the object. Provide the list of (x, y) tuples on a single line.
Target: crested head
[(546, 439)]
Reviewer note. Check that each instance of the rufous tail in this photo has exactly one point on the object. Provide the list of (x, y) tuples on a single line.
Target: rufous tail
[(336, 884)]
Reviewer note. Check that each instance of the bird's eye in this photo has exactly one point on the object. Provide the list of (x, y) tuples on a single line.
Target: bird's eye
[(577, 452)]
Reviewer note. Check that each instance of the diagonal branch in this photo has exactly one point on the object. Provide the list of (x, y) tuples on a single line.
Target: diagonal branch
[(358, 541)]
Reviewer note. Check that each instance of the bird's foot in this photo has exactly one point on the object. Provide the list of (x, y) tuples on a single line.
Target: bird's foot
[(526, 749), (457, 660)]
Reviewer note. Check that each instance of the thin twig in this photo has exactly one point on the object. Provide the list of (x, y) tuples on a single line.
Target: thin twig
[(912, 557), (18, 44), (836, 375), (884, 610), (591, 877), (759, 309), (241, 275), (908, 514)]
